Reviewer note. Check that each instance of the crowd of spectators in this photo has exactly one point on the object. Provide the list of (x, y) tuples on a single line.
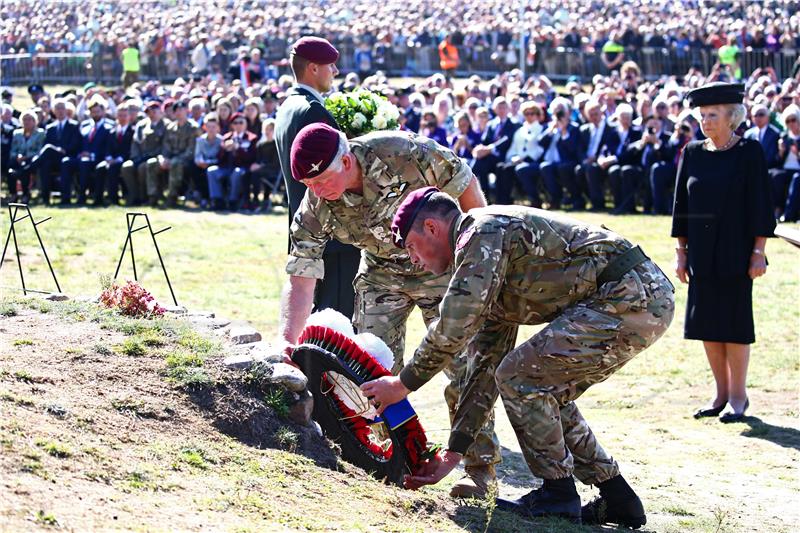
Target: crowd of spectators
[(611, 143), (173, 36)]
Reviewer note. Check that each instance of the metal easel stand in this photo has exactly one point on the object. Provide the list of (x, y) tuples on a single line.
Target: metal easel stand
[(129, 241), (12, 215)]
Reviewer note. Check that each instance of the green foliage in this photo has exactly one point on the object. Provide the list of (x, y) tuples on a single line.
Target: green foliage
[(287, 439), (8, 309), (194, 457), (47, 519), (23, 342), (277, 401), (54, 448), (132, 347), (362, 111)]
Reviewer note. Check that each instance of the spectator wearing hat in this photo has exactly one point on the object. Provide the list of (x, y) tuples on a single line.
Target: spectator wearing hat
[(237, 154), (765, 133), (491, 152), (722, 217), (599, 139), (96, 141), (313, 62), (25, 145), (146, 146), (177, 152), (35, 91), (59, 155), (8, 96)]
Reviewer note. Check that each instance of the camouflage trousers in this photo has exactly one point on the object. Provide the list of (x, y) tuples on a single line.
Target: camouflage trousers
[(384, 302), (155, 185), (540, 379), (135, 179)]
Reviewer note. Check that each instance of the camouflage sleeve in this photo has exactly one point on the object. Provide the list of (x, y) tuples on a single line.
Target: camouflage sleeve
[(188, 152), (445, 170), (479, 394), (308, 236), (480, 269)]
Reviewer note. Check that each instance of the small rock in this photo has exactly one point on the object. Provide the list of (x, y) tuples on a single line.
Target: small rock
[(261, 351), (57, 297), (175, 309), (239, 362), (300, 411), (201, 314), (244, 334), (287, 376)]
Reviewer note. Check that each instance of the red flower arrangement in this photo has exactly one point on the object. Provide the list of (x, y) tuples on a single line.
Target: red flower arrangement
[(131, 299)]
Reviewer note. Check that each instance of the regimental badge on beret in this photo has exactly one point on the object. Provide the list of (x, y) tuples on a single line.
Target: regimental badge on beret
[(313, 150), (407, 213), (716, 93)]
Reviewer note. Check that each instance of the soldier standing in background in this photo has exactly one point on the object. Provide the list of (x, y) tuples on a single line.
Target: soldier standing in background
[(355, 187), (313, 62), (604, 302)]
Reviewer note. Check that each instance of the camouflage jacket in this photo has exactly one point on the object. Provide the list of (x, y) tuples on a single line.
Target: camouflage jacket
[(147, 139), (393, 164), (179, 140), (513, 265)]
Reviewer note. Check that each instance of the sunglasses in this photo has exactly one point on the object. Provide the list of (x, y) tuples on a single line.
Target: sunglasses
[(526, 113), (761, 114), (790, 120)]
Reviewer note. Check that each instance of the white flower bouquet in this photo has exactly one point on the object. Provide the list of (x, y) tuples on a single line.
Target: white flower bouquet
[(362, 111)]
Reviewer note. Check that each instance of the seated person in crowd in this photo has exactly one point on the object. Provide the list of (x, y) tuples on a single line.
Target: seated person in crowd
[(524, 156), (562, 152), (660, 154), (265, 172), (25, 146), (237, 154), (465, 138), (786, 176), (252, 112), (429, 127), (598, 139), (765, 133), (148, 136), (625, 173), (120, 151), (177, 152), (206, 154), (59, 156), (8, 123), (491, 152), (96, 140)]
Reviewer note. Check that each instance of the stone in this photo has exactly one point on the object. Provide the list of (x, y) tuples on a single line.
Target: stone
[(260, 351), (241, 361), (175, 309), (201, 314), (243, 335), (287, 376), (57, 297), (300, 411)]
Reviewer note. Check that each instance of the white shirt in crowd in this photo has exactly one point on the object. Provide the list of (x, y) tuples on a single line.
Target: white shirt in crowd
[(525, 142)]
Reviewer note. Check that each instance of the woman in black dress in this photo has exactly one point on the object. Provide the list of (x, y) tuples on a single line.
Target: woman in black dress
[(722, 218)]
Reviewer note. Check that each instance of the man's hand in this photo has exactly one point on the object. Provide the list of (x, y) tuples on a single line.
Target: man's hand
[(285, 348), (758, 266), (385, 391), (433, 470)]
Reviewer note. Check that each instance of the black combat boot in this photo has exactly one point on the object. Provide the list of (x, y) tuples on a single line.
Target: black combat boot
[(556, 497), (617, 504)]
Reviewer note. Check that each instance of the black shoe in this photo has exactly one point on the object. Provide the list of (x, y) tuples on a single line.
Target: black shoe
[(617, 504), (556, 497), (713, 411), (727, 418)]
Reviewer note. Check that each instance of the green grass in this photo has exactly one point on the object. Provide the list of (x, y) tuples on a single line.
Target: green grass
[(132, 347), (277, 401), (23, 342), (54, 448)]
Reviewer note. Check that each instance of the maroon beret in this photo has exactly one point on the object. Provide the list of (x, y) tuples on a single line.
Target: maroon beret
[(152, 104), (236, 116), (167, 104), (407, 212), (316, 49), (313, 150)]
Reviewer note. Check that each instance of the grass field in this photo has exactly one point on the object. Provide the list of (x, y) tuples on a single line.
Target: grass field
[(693, 476)]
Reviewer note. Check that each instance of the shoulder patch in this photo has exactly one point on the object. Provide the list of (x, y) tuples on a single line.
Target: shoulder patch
[(464, 238), (397, 190)]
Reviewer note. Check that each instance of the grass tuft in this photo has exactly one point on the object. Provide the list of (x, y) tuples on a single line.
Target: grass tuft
[(287, 438), (54, 448), (8, 309), (277, 401)]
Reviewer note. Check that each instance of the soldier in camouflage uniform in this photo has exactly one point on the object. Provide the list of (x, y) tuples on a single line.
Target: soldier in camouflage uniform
[(145, 149), (176, 153), (385, 167), (603, 302)]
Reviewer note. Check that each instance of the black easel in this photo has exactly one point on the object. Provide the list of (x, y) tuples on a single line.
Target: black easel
[(129, 240), (12, 215)]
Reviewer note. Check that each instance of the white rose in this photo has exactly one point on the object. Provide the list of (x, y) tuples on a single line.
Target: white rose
[(364, 107), (389, 111), (379, 122), (336, 97), (358, 121)]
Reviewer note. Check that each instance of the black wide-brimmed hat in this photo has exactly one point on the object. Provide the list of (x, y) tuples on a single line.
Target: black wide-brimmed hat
[(716, 93)]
